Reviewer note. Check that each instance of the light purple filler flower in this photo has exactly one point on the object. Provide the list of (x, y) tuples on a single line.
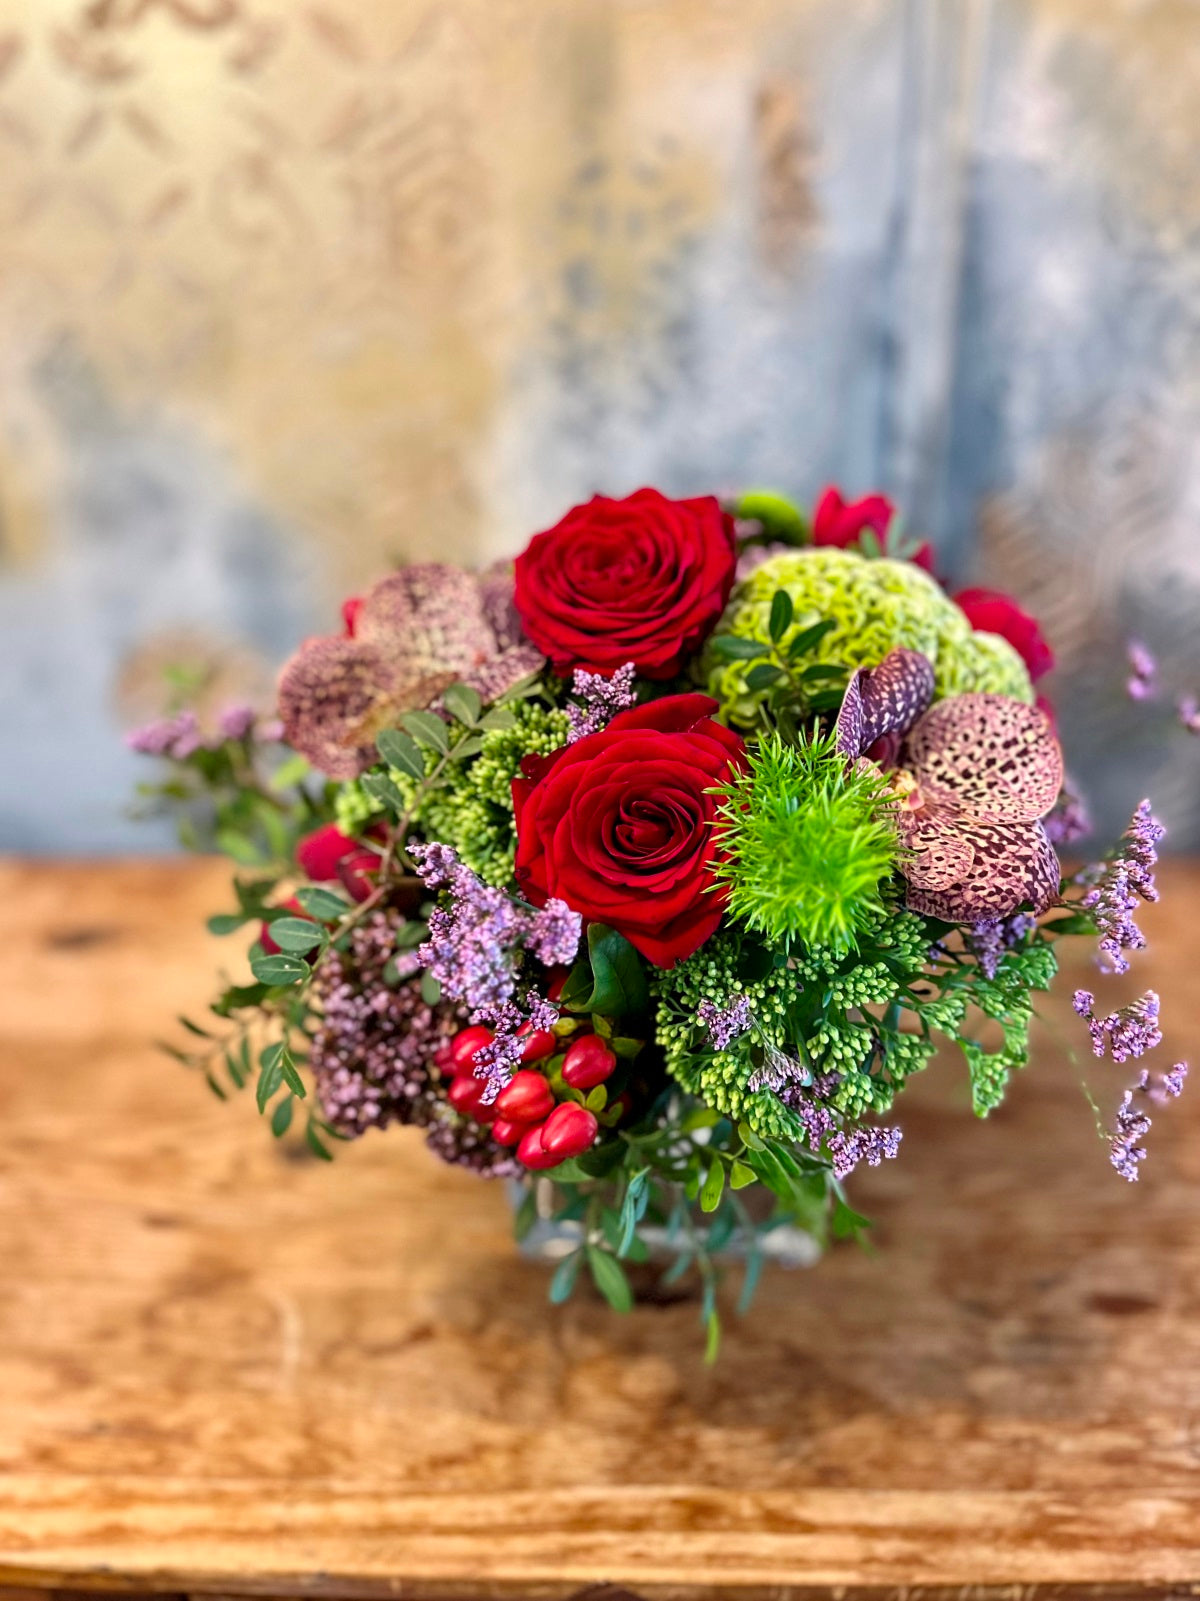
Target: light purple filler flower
[(1120, 883), (597, 700), (725, 1023)]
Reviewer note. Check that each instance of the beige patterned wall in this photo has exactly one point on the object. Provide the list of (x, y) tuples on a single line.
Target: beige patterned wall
[(289, 289)]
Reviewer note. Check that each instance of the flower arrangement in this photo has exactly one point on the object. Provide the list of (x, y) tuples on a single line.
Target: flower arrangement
[(646, 870)]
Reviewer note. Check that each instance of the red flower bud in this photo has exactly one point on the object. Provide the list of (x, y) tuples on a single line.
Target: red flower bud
[(350, 611), (588, 1062), (321, 853), (359, 873), (530, 1152), (507, 1132), (465, 1044), (539, 1044), (568, 1131), (526, 1098), (466, 1096)]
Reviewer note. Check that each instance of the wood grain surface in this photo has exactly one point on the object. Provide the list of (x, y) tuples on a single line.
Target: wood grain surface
[(225, 1366)]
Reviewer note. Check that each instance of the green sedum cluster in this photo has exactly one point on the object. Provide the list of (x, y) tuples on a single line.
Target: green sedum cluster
[(471, 807), (876, 605)]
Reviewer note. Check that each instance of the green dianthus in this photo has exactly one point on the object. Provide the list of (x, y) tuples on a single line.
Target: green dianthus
[(805, 842)]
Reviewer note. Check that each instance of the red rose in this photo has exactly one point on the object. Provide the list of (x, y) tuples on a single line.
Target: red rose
[(619, 825), (641, 579), (993, 613), (842, 523)]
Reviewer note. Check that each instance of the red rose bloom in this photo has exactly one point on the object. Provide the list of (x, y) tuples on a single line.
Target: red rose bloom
[(994, 613), (619, 825), (641, 579), (842, 523)]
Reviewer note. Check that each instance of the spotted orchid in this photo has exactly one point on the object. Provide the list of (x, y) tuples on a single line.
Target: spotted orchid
[(972, 777)]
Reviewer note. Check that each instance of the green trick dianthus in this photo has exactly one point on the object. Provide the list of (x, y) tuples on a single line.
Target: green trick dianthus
[(806, 840)]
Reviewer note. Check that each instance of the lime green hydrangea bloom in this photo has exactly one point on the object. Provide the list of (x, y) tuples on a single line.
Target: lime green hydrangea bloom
[(471, 806), (876, 606), (353, 808)]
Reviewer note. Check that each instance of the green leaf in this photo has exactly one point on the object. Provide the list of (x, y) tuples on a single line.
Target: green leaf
[(740, 1176), (322, 904), (383, 792), (225, 923), (609, 1278), (276, 970), (411, 934), (781, 615), (712, 1343), (763, 676), (297, 934), (313, 1141), (431, 990), (500, 717), (1074, 923), (463, 703), (193, 1028), (526, 1216), (781, 521), (428, 729), (754, 1267), (733, 648), (239, 847), (466, 747), (846, 1221), (619, 987), (289, 772), (562, 1284), (281, 1117), (400, 750), (809, 637), (270, 1074), (597, 1099), (291, 1076), (714, 1187)]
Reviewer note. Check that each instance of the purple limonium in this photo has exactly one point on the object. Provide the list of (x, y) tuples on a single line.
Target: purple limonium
[(1188, 711), (1142, 683), (236, 722), (725, 1023), (554, 933), (990, 939), (870, 1145), (177, 737), (1068, 819), (1119, 884), (1130, 1031), (597, 700), (473, 952), (1132, 1123)]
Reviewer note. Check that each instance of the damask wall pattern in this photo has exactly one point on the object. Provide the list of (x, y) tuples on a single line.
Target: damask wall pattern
[(289, 290)]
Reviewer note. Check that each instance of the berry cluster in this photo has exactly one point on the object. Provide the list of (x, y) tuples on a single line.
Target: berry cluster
[(540, 1110)]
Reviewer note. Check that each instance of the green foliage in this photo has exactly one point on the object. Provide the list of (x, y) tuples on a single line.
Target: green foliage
[(806, 842), (782, 522), (873, 606)]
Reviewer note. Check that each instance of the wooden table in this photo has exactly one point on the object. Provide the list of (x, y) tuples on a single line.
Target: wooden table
[(227, 1367)]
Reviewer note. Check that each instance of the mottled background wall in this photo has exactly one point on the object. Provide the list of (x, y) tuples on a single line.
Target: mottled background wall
[(289, 289)]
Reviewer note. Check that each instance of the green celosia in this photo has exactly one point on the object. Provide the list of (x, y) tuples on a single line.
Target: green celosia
[(805, 841), (876, 606)]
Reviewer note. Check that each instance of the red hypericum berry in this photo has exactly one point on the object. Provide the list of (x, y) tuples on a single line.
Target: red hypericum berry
[(526, 1097), (264, 932), (322, 852), (588, 1062), (568, 1131), (531, 1153), (350, 611), (466, 1096), (505, 1131), (466, 1044), (359, 873), (539, 1043)]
